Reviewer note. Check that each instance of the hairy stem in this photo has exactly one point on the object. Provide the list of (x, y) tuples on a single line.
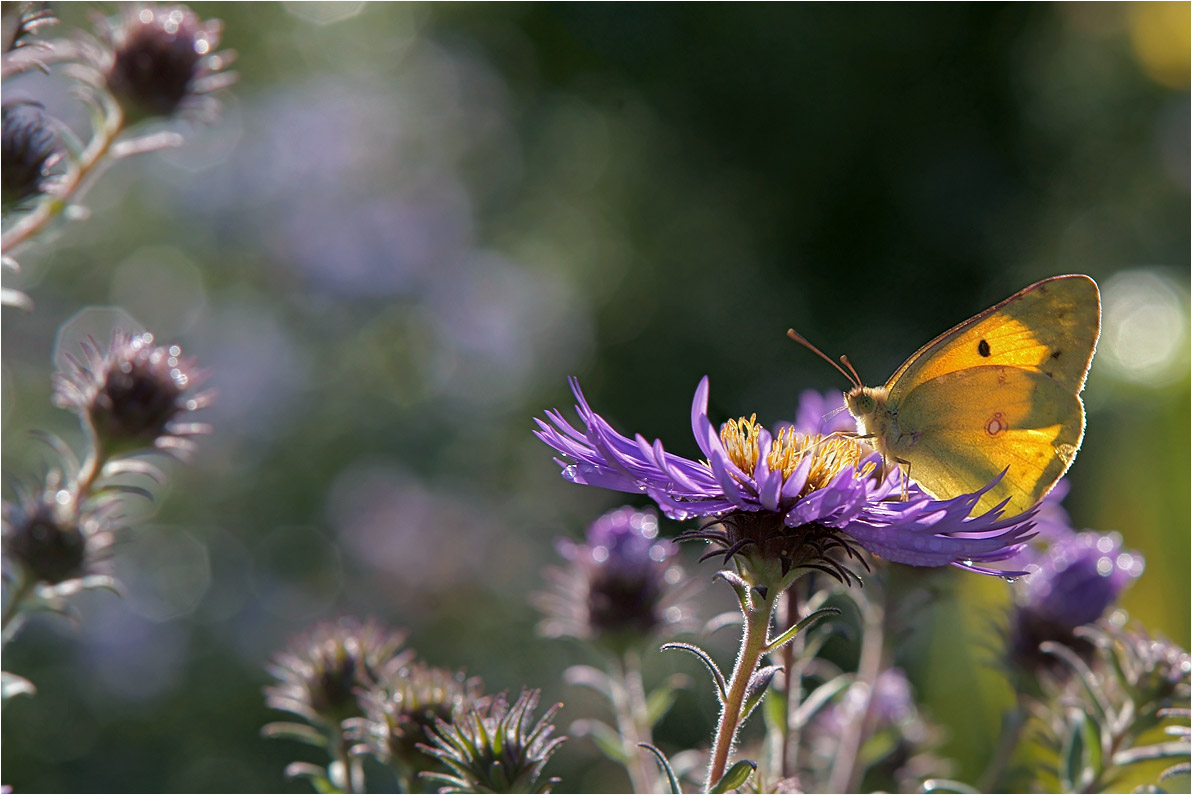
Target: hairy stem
[(753, 642), (74, 182)]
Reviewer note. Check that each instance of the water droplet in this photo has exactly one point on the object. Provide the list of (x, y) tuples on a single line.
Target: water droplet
[(62, 497), (1010, 579), (967, 562)]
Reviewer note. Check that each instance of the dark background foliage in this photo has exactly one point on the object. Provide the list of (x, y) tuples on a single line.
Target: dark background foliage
[(413, 222)]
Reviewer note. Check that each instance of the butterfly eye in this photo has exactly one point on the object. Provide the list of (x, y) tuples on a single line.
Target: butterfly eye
[(860, 403)]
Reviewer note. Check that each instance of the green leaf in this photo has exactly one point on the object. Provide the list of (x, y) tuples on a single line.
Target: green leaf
[(706, 659), (1142, 753), (756, 690), (819, 698), (774, 711), (605, 737), (1072, 756), (740, 587), (298, 732), (666, 767), (809, 621), (659, 702), (735, 777)]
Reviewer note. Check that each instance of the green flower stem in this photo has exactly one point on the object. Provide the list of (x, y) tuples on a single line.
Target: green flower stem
[(753, 643), (74, 182), (845, 772), (633, 722)]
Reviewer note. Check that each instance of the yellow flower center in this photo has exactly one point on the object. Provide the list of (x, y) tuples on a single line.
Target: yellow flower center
[(829, 454)]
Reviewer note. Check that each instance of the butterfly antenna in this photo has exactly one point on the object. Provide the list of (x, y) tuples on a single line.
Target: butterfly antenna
[(799, 338), (851, 369)]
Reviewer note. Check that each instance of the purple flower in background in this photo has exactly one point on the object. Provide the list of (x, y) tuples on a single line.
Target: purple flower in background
[(823, 413), (792, 498), (621, 586), (1070, 584)]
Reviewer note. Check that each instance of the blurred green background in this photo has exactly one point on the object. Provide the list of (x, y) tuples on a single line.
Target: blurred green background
[(413, 222)]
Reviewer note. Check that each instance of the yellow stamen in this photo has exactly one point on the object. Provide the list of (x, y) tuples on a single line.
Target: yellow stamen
[(830, 454)]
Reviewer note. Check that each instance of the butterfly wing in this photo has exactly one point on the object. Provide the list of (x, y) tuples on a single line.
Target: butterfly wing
[(959, 430), (1050, 327)]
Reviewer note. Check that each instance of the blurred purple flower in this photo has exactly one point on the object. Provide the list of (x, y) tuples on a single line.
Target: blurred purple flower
[(794, 497), (621, 585), (891, 705), (823, 413), (1070, 584)]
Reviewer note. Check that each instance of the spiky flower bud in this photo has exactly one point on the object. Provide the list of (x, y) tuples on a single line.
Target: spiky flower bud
[(492, 747), (402, 707), (30, 151), (162, 59), (133, 395), (321, 672), (48, 541), (622, 586)]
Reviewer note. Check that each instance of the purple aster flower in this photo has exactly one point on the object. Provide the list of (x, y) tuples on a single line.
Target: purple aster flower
[(1071, 583), (795, 498), (621, 586)]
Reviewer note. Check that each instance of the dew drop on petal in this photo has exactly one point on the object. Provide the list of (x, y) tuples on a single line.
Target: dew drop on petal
[(1010, 579)]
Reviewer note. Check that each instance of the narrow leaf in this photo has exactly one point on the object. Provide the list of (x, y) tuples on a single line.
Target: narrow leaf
[(758, 684), (299, 732), (740, 587), (666, 768), (818, 698), (1073, 753), (810, 620), (659, 702), (735, 776), (707, 661), (1157, 751)]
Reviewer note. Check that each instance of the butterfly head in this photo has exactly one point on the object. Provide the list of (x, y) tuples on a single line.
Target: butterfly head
[(863, 401)]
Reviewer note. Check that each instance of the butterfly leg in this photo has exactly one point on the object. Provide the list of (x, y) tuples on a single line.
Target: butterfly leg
[(904, 472)]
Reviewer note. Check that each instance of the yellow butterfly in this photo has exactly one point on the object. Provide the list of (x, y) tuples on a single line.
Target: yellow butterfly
[(999, 392)]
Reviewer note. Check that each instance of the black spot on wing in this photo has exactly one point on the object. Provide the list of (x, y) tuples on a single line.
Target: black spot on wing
[(983, 348), (1056, 353)]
